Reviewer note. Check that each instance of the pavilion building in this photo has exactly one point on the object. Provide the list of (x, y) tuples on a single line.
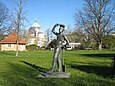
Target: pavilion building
[(36, 36)]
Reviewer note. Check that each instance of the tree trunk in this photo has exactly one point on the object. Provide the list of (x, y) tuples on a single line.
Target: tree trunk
[(99, 45), (17, 49)]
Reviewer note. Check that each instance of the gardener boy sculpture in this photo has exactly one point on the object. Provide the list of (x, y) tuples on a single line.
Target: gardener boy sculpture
[(61, 39), (61, 42)]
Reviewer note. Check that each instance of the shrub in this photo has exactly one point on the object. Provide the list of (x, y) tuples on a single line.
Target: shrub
[(32, 47), (109, 42)]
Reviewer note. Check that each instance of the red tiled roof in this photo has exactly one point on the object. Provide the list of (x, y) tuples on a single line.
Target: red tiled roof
[(12, 39)]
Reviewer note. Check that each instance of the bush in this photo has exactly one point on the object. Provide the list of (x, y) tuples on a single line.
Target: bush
[(109, 42), (32, 47)]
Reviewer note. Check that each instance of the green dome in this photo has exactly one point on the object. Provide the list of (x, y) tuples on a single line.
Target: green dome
[(35, 24)]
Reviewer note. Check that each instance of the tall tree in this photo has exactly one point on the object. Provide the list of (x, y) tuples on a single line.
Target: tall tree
[(97, 19), (18, 19), (4, 17)]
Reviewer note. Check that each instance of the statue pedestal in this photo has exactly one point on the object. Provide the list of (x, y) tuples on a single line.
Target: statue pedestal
[(54, 75)]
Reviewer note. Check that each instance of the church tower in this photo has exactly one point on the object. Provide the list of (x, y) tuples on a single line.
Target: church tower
[(36, 35)]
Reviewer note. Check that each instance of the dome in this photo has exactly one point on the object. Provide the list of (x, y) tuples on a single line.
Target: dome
[(35, 24)]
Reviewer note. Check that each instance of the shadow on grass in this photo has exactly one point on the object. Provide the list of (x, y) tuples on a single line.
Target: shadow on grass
[(98, 70), (21, 75), (40, 69), (91, 63), (98, 55)]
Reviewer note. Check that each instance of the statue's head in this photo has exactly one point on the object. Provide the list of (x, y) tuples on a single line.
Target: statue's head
[(61, 29)]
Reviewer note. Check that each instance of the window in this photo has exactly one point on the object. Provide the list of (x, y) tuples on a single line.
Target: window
[(9, 45)]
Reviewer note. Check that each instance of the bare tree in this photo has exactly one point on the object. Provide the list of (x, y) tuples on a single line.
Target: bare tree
[(97, 19), (68, 30), (18, 19), (49, 34), (4, 17)]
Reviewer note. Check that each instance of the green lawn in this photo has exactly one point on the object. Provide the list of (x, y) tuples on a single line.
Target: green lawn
[(87, 68)]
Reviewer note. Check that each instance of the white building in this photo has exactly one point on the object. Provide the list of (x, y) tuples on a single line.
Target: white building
[(36, 36)]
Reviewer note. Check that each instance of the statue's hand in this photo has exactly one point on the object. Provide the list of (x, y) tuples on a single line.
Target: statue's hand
[(56, 25), (67, 43), (62, 25)]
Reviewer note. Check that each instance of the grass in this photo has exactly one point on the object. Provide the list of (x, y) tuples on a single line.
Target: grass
[(87, 68)]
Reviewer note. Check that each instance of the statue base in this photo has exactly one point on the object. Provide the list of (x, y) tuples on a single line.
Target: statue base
[(54, 75)]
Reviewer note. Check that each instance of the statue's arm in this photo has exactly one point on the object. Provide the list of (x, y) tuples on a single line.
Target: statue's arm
[(66, 39), (53, 29)]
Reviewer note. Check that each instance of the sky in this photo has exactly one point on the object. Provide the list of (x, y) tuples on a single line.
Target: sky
[(50, 12)]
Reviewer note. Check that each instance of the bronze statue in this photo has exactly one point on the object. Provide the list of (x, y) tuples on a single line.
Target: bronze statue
[(61, 39), (61, 42)]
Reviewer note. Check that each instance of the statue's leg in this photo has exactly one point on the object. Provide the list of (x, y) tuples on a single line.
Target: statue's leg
[(56, 51), (58, 60)]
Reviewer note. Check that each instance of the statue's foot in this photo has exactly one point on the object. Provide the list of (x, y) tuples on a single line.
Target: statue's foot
[(51, 71), (58, 70)]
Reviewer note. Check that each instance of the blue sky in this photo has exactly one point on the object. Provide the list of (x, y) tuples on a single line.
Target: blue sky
[(50, 12)]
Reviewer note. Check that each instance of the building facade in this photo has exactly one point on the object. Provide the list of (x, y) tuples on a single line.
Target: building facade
[(10, 43), (36, 36)]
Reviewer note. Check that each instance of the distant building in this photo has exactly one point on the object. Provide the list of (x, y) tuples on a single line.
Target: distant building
[(113, 34), (36, 36), (72, 46), (10, 43)]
